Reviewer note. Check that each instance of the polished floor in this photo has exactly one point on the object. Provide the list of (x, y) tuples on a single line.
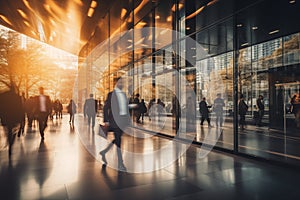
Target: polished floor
[(260, 141), (67, 166)]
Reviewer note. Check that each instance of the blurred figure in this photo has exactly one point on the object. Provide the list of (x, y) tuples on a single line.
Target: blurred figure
[(117, 118), (204, 112), (71, 108), (143, 109), (11, 113), (295, 109), (22, 125), (243, 108), (57, 106), (90, 110), (218, 109), (137, 112), (60, 109), (30, 110), (160, 108), (43, 110), (261, 109), (190, 114), (150, 111)]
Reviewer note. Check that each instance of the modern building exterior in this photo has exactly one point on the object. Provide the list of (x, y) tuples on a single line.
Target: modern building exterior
[(181, 51), (178, 52), (172, 50)]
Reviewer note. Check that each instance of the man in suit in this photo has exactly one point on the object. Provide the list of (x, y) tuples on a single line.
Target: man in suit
[(261, 109), (43, 110), (204, 112), (11, 113), (116, 116), (218, 109), (90, 109)]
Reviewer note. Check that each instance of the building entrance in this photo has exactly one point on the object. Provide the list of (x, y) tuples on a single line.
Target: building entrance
[(285, 119)]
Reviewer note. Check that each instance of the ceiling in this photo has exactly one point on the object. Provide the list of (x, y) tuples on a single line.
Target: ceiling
[(64, 24)]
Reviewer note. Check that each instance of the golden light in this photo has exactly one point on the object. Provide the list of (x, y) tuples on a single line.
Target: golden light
[(5, 19), (195, 13), (52, 22), (169, 18), (79, 2), (201, 9), (26, 4), (27, 23), (47, 7), (141, 24), (93, 4), (33, 32), (180, 6), (212, 2), (22, 13), (90, 12), (123, 13)]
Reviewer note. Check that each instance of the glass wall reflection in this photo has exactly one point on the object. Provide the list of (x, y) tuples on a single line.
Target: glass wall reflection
[(203, 55)]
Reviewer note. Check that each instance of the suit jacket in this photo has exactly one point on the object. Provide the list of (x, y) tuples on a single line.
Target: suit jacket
[(48, 105), (203, 108), (10, 109), (111, 111), (90, 106)]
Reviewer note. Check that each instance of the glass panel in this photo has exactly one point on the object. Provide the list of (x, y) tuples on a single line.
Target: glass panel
[(208, 12), (268, 77), (164, 15), (214, 86), (143, 37), (142, 8), (292, 49)]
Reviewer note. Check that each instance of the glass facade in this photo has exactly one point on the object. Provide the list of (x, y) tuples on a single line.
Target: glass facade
[(183, 51)]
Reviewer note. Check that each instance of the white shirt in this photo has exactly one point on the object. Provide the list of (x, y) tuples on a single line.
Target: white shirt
[(122, 101), (42, 99)]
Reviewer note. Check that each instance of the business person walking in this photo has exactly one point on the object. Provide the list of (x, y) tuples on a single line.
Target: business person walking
[(116, 116)]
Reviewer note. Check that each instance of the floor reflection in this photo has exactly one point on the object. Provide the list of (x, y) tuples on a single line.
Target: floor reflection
[(65, 167)]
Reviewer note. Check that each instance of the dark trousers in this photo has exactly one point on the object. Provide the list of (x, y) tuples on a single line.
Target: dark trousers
[(137, 114), (203, 118), (91, 117), (11, 135), (142, 116), (260, 116), (42, 118), (22, 126), (71, 118), (117, 141), (242, 121)]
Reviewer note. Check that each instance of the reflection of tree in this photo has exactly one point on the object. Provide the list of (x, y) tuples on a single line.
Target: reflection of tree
[(244, 70), (24, 66), (26, 63), (221, 82)]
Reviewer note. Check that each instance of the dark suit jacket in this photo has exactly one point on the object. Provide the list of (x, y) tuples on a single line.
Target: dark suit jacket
[(48, 105), (11, 111), (111, 111)]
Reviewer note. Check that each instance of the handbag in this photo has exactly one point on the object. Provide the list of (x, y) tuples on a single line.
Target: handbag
[(103, 130)]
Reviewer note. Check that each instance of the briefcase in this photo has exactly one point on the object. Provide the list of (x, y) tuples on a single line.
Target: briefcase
[(103, 130)]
